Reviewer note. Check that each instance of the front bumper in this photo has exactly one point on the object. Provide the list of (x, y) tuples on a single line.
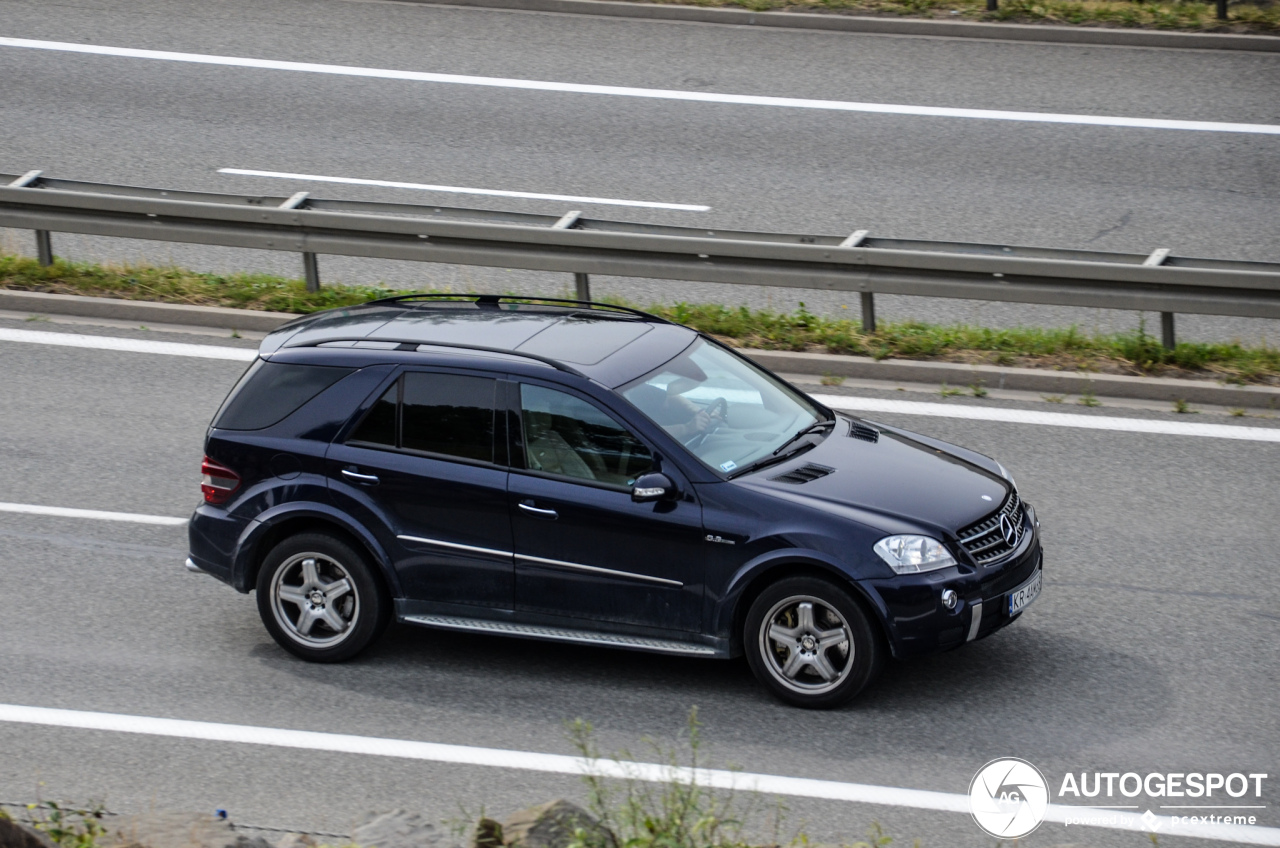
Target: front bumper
[(919, 623)]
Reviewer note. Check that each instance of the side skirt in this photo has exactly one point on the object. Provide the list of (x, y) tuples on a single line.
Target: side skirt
[(561, 634)]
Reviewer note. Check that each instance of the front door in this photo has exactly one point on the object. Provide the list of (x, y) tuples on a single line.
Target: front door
[(422, 465), (584, 549)]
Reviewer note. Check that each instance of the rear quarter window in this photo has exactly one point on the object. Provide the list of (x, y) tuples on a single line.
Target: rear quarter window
[(270, 391)]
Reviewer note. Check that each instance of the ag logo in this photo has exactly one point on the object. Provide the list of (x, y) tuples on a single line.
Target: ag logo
[(1008, 798)]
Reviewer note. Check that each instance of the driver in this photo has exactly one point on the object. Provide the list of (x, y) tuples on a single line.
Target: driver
[(676, 414)]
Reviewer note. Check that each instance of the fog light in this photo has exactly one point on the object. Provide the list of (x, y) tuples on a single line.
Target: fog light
[(949, 598)]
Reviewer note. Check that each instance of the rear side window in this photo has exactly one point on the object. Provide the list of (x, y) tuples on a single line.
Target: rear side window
[(448, 414), (270, 391)]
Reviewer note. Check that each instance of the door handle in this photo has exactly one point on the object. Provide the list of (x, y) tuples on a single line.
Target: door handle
[(366, 479), (541, 513)]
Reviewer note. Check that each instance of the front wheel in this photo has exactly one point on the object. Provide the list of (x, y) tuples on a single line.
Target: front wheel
[(809, 642), (320, 599)]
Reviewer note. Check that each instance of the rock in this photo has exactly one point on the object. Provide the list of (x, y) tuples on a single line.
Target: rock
[(399, 829), (296, 840), (16, 835), (176, 830), (553, 825)]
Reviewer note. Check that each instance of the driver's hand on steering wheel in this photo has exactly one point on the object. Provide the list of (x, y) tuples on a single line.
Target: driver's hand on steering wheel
[(699, 423)]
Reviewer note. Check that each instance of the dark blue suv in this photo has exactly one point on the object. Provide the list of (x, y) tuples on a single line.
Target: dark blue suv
[(589, 473)]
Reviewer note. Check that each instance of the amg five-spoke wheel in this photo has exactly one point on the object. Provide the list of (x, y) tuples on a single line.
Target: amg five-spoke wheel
[(320, 599), (808, 640)]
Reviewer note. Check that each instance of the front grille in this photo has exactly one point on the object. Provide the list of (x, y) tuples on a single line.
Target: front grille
[(985, 541), (803, 474)]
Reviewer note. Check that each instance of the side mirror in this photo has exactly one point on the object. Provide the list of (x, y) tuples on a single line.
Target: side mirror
[(653, 486)]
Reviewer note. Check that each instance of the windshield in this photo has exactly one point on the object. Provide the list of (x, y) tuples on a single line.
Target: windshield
[(725, 410)]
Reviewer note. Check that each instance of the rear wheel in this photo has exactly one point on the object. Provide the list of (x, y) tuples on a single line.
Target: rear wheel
[(810, 643), (320, 599)]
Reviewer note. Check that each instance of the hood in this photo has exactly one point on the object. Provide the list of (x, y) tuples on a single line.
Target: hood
[(887, 471)]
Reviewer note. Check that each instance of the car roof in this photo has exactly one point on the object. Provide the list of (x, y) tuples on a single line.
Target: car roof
[(607, 343)]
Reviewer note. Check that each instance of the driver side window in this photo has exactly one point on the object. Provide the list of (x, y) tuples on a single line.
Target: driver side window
[(569, 437)]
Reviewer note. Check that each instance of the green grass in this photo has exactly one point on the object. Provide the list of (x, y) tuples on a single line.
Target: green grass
[(1064, 349), (1261, 16)]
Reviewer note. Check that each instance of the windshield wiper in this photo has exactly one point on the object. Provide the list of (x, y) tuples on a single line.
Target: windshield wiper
[(813, 428)]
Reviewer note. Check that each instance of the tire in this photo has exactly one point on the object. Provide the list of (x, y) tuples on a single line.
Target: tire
[(819, 657), (307, 608)]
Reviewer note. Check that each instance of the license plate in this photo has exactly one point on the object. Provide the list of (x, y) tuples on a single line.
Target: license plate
[(1022, 596)]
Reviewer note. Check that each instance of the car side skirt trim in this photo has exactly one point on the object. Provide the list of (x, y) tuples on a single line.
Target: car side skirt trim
[(559, 634)]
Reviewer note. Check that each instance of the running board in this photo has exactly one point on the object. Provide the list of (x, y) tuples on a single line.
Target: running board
[(560, 634)]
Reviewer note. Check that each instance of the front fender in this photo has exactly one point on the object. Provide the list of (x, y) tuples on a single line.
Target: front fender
[(247, 548), (775, 565)]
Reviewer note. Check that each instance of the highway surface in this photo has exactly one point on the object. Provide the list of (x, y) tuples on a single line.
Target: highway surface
[(1152, 647), (170, 123)]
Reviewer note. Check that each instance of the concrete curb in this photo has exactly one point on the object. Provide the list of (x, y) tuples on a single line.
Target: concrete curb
[(860, 367), (1019, 379), (142, 311), (884, 26)]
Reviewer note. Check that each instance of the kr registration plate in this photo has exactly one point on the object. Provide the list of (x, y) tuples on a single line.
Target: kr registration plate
[(1022, 596)]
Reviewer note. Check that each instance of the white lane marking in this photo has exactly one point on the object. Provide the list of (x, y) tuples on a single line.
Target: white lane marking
[(853, 404), (100, 515), (488, 192), (1050, 419), (654, 93), (130, 345), (861, 793)]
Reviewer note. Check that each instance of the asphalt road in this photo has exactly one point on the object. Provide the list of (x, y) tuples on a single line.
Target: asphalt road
[(1152, 647), (167, 124)]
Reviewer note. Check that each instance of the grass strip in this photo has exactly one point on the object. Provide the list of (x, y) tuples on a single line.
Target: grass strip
[(1262, 17), (1070, 349)]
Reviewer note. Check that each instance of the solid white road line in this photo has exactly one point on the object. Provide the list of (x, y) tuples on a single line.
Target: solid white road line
[(488, 192), (130, 345), (560, 764), (1050, 419), (100, 515), (653, 93)]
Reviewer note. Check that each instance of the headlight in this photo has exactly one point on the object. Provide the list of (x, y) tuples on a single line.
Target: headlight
[(913, 554)]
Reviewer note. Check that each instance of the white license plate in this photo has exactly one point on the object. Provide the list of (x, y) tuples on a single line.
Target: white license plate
[(1020, 597)]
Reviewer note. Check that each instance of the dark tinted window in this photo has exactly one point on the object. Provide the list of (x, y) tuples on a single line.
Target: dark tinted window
[(270, 391), (379, 426), (565, 435), (448, 413)]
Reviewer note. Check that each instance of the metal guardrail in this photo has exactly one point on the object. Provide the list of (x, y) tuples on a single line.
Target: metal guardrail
[(570, 243)]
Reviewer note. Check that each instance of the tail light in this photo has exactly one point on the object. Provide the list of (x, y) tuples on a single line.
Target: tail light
[(218, 482)]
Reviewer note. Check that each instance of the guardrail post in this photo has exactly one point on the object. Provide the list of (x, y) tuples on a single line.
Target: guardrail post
[(311, 272), (1167, 335), (1222, 10), (44, 248), (993, 5), (868, 312), (582, 284)]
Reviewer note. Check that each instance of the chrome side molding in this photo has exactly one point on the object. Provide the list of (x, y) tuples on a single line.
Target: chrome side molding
[(560, 634)]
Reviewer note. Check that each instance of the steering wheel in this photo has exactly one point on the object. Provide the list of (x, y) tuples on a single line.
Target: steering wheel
[(718, 411)]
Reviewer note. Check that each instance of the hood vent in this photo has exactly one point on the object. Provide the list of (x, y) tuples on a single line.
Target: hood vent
[(803, 474), (866, 432)]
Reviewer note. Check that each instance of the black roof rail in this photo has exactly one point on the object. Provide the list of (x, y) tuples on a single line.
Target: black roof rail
[(412, 345), (493, 300)]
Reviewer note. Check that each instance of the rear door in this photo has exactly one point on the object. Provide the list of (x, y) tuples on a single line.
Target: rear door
[(584, 549), (428, 464)]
